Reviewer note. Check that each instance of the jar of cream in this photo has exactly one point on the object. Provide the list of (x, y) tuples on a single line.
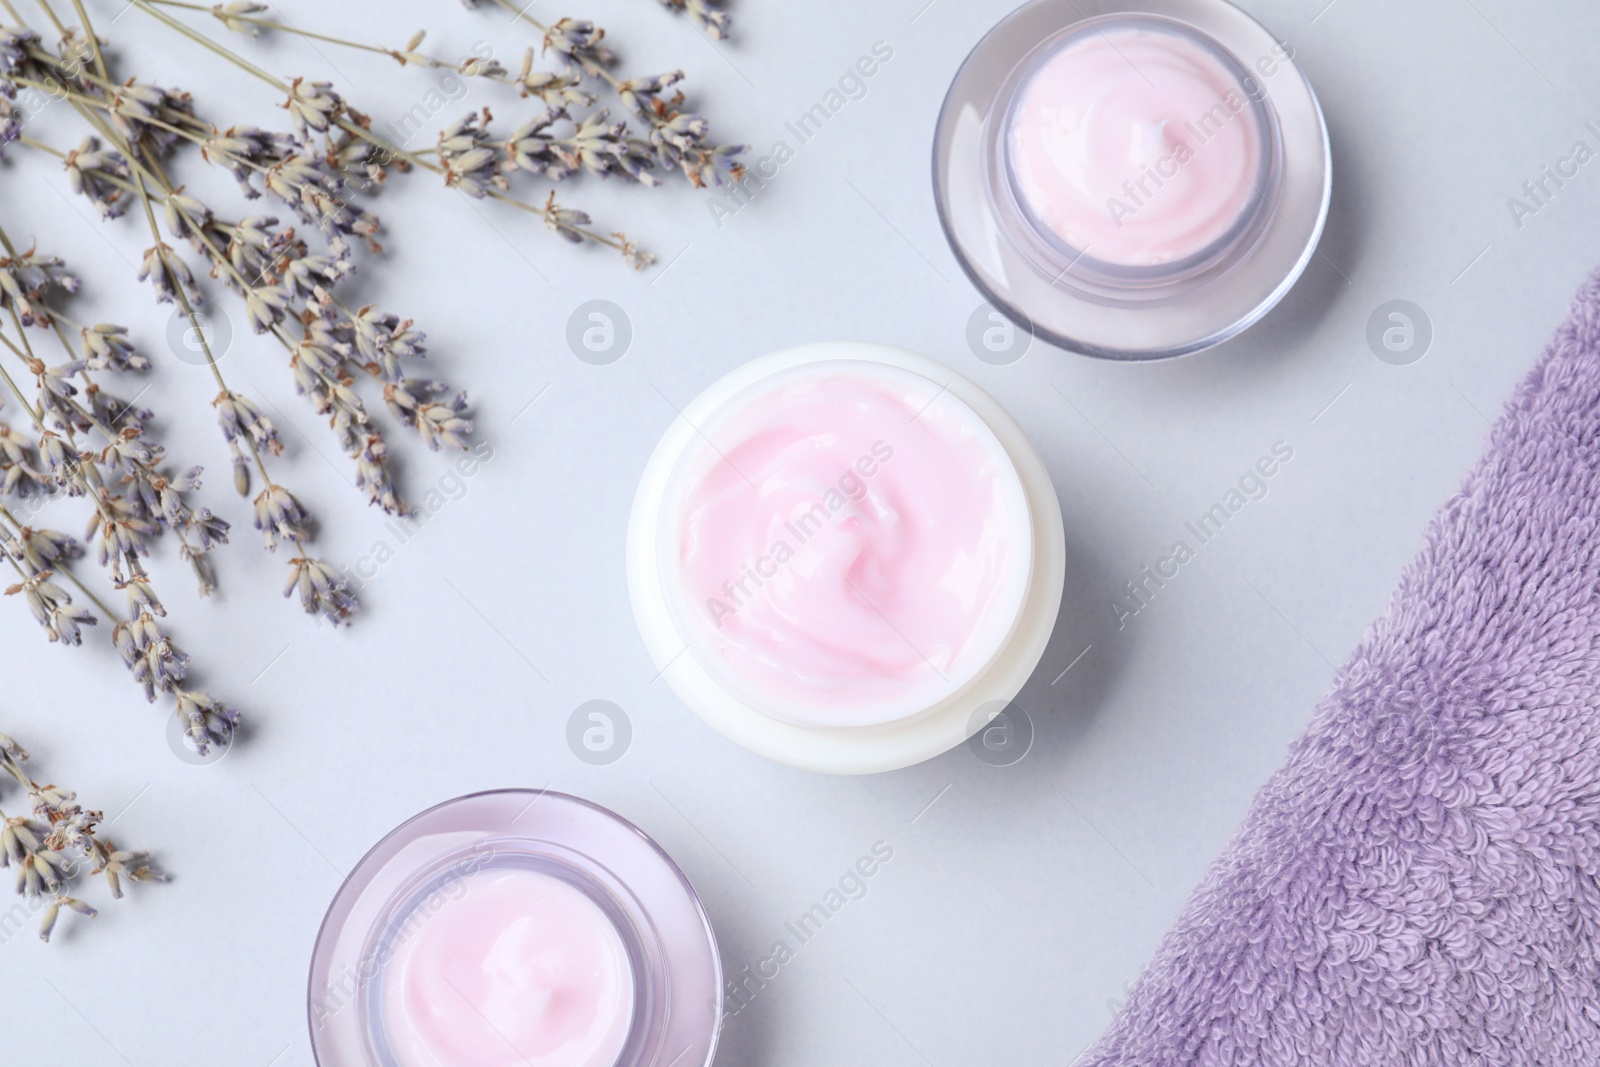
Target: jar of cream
[(842, 554), (516, 928), (1132, 179)]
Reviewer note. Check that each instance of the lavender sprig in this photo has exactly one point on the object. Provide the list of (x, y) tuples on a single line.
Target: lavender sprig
[(304, 276), (290, 289), (679, 139), (122, 523), (293, 282), (288, 279), (337, 603), (50, 849), (69, 402), (378, 153)]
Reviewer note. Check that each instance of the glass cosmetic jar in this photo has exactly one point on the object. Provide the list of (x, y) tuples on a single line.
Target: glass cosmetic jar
[(1132, 179), (840, 553), (515, 928)]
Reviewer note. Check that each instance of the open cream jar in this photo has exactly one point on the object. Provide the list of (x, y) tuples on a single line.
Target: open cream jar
[(839, 554), (1132, 179), (515, 928)]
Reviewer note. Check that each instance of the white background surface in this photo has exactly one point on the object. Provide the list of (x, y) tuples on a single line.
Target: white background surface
[(1019, 903)]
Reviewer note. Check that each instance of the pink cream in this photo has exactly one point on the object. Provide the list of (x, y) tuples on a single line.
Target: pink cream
[(1135, 147), (518, 969), (853, 547)]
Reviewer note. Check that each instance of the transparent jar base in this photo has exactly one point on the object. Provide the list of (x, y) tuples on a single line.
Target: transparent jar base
[(1108, 310), (431, 858)]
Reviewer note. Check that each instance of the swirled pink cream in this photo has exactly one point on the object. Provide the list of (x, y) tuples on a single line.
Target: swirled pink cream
[(853, 545), (511, 968), (1135, 146)]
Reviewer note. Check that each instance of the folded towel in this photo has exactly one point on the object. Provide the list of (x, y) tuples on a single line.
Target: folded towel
[(1420, 882)]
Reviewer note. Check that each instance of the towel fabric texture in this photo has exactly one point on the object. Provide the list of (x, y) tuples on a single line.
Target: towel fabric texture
[(1419, 883)]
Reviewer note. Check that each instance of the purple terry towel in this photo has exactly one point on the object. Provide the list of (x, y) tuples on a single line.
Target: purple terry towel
[(1419, 883)]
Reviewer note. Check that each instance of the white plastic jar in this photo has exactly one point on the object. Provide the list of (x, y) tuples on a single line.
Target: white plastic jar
[(845, 557)]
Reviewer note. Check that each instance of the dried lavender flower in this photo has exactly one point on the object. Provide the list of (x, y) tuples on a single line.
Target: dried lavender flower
[(558, 89), (246, 149), (322, 591), (704, 14), (26, 281), (50, 849), (373, 475), (467, 156), (10, 119), (185, 215), (532, 148), (313, 105), (279, 516), (383, 340), (265, 306), (106, 347), (144, 112), (577, 41), (98, 174), (229, 14), (19, 466), (156, 661), (206, 721), (43, 549), (564, 221), (15, 43), (52, 607), (242, 421), (168, 273), (439, 422), (681, 140), (604, 148)]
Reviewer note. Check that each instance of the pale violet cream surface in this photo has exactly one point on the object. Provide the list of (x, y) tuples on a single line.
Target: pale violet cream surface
[(1135, 146), (517, 969), (852, 545)]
